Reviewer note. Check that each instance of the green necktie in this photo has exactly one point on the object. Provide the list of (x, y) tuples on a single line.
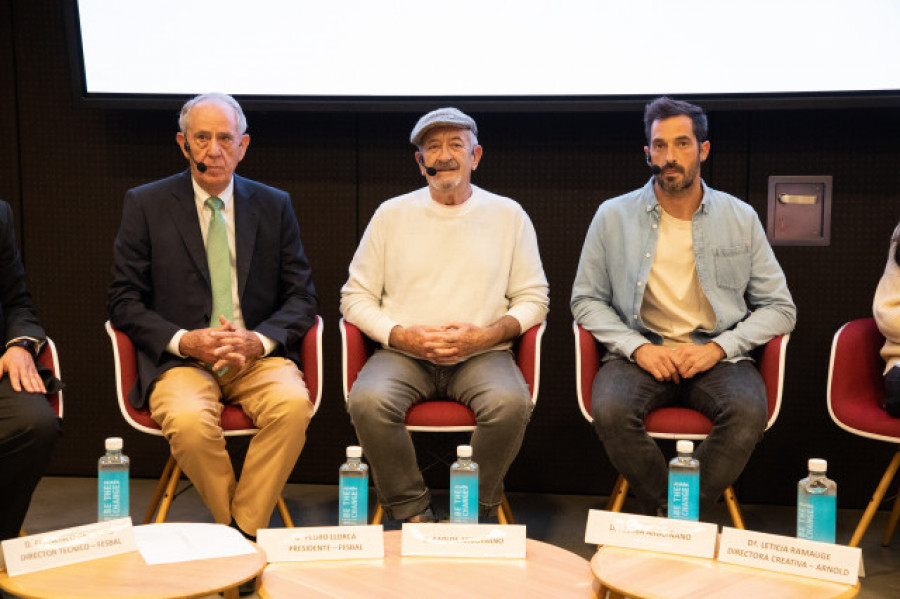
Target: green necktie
[(219, 261)]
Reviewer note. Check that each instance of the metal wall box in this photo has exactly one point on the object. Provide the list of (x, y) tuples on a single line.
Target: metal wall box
[(799, 210)]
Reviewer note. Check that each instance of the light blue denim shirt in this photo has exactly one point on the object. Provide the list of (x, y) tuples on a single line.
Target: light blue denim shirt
[(737, 269)]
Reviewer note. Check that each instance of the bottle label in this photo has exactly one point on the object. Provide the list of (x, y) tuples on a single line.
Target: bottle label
[(354, 497), (684, 495), (464, 498), (112, 495), (816, 516)]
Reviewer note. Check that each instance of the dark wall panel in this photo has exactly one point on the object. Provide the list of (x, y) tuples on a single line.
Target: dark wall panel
[(73, 165)]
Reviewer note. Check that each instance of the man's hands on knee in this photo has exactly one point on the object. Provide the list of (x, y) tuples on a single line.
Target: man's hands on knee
[(222, 346), (683, 362), (19, 365)]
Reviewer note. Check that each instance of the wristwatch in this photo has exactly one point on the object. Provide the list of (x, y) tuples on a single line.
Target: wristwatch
[(25, 344)]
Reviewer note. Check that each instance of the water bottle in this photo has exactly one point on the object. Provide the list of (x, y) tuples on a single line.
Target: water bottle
[(464, 487), (353, 489), (112, 482), (684, 483), (816, 504)]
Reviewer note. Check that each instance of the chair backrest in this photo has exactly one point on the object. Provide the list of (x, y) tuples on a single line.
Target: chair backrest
[(234, 421), (681, 423), (856, 382), (50, 359), (442, 416)]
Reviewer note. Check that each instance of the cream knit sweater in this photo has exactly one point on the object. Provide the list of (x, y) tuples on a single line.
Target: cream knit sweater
[(886, 308), (424, 263)]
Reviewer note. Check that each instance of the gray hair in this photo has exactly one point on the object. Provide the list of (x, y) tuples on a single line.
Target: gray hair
[(184, 117)]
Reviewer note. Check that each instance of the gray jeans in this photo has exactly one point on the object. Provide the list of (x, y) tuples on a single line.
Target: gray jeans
[(490, 384)]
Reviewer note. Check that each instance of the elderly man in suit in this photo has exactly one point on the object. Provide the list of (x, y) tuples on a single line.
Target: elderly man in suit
[(211, 283), (28, 427)]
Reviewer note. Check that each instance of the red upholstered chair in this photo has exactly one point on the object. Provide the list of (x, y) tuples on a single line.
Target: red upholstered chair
[(676, 422), (855, 397), (49, 358), (234, 422), (442, 416)]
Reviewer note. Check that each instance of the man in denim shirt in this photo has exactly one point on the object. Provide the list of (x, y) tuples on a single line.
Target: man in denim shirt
[(678, 282)]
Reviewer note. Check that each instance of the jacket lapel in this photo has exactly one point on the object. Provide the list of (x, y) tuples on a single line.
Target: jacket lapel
[(184, 213), (246, 222)]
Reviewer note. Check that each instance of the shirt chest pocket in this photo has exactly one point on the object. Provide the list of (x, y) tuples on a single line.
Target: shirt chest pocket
[(732, 266)]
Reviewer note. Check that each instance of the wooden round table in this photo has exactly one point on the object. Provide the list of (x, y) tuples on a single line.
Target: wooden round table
[(648, 574), (128, 576), (547, 571)]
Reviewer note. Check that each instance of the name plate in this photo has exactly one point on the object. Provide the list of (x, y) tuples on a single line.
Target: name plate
[(321, 543), (682, 537), (825, 561), (463, 540), (68, 546)]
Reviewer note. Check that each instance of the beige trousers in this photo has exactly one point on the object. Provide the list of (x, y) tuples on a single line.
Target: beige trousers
[(187, 402)]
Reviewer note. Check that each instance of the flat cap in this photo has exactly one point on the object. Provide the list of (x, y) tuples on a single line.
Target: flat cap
[(442, 117)]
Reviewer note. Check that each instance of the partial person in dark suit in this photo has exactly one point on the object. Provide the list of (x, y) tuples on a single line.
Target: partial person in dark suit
[(207, 336), (28, 427)]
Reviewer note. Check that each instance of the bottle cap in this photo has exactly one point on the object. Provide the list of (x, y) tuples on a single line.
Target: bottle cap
[(113, 443), (464, 451), (818, 465), (354, 451), (684, 447)]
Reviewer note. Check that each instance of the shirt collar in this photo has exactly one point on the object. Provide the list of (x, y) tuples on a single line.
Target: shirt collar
[(651, 204), (200, 196)]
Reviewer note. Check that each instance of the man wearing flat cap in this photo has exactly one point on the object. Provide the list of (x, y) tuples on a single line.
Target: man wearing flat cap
[(445, 277)]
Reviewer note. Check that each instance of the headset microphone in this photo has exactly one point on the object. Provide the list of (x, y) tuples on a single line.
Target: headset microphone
[(428, 169), (201, 167), (653, 168)]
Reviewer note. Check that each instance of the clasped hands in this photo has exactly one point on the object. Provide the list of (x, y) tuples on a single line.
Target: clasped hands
[(445, 344), (224, 346), (675, 364)]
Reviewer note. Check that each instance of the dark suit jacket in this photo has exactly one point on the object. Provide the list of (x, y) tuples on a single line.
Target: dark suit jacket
[(17, 314), (160, 278)]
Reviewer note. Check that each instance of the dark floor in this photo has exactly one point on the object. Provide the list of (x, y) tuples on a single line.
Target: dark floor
[(61, 502)]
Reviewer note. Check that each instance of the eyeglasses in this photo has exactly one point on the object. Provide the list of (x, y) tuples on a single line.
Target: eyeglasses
[(225, 141)]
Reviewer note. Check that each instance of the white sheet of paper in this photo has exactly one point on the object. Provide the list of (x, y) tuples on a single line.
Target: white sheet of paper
[(172, 542)]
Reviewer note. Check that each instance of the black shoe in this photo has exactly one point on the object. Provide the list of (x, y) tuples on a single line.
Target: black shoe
[(426, 516), (247, 588)]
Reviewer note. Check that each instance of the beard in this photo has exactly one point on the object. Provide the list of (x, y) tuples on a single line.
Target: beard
[(446, 184), (676, 186)]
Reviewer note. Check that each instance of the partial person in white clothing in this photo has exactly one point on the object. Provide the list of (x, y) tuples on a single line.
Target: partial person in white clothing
[(444, 279)]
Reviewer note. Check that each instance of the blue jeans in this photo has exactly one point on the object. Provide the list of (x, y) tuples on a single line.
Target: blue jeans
[(731, 395), (490, 384)]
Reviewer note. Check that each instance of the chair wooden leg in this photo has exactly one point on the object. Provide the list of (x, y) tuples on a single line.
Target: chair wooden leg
[(379, 512), (231, 593), (883, 485), (169, 495), (734, 508), (504, 512), (285, 514), (617, 497), (892, 523), (160, 489)]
